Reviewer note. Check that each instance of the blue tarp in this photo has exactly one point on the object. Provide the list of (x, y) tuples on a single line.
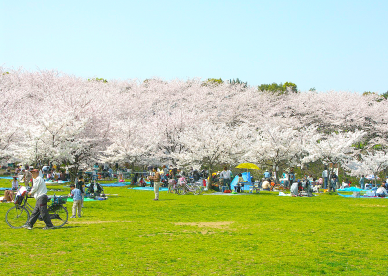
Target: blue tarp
[(352, 189), (48, 182), (360, 196), (120, 184), (6, 177), (3, 189), (246, 176)]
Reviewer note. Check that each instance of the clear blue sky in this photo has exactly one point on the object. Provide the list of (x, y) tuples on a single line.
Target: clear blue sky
[(330, 45)]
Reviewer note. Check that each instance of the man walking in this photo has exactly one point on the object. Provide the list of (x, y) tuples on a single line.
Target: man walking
[(39, 191)]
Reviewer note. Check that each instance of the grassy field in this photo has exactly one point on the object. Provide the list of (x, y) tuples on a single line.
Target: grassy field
[(259, 234)]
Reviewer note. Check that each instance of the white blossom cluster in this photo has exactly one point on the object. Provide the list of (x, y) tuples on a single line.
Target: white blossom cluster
[(52, 117)]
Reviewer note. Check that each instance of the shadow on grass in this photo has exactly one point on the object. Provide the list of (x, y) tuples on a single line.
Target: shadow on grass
[(264, 194), (66, 227), (165, 199)]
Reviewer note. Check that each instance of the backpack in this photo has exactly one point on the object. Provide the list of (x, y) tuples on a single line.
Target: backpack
[(18, 199), (20, 195)]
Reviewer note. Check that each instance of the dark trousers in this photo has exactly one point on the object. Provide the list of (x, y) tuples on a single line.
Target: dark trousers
[(237, 188), (40, 210), (325, 179), (226, 182)]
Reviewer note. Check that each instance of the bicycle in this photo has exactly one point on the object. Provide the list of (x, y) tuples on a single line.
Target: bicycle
[(185, 188), (19, 214)]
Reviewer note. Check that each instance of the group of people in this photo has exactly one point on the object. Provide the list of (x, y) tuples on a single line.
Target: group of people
[(35, 186), (39, 190), (168, 177)]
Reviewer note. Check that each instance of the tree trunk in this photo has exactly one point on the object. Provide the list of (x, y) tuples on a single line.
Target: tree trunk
[(209, 183)]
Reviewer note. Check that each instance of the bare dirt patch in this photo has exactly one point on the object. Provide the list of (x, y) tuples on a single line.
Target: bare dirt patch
[(372, 205), (211, 224)]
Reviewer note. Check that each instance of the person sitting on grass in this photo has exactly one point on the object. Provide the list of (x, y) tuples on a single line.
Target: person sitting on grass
[(15, 183), (385, 184), (142, 182), (294, 189), (266, 185), (97, 189), (272, 184), (381, 191), (134, 179), (77, 201), (237, 188), (8, 196)]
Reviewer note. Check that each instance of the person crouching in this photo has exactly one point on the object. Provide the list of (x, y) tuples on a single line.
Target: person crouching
[(77, 201)]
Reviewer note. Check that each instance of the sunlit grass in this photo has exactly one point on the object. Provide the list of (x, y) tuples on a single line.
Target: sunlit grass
[(259, 234)]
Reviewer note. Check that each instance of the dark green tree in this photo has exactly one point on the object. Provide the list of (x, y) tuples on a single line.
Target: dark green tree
[(98, 79), (212, 81), (278, 88), (238, 81)]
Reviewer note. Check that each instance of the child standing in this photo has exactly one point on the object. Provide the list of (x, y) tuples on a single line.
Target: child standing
[(77, 200)]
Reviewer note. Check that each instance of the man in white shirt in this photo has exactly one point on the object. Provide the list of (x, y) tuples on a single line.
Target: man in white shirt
[(39, 191), (226, 175), (325, 176), (294, 189)]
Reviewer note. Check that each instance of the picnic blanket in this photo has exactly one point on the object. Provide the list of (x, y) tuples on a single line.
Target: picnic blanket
[(85, 199), (120, 184), (3, 189), (352, 189), (6, 177), (361, 196), (56, 182), (149, 188), (228, 194), (284, 194)]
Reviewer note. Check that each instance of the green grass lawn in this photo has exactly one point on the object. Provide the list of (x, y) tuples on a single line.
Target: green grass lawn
[(259, 234)]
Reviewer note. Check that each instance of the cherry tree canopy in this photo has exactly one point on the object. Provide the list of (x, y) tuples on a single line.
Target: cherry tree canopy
[(52, 117)]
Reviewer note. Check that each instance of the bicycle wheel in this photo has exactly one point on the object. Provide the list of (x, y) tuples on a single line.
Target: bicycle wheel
[(197, 190), (58, 215), (17, 216), (181, 191)]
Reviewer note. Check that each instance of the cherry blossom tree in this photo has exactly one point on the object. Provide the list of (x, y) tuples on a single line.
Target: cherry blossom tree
[(48, 116), (276, 144), (334, 148), (372, 162), (209, 144)]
